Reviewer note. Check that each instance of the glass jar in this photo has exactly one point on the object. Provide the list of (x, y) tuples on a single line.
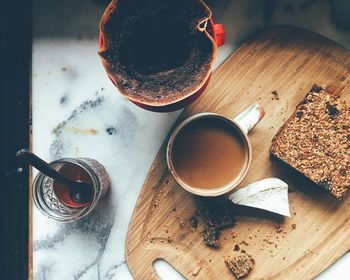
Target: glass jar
[(47, 201)]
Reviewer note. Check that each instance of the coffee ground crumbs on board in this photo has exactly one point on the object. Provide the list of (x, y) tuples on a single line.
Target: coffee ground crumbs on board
[(211, 237), (218, 214)]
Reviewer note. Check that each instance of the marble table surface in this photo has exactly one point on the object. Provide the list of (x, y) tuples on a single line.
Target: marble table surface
[(71, 94)]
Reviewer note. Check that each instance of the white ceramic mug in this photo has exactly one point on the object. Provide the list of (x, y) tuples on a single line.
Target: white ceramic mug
[(242, 124)]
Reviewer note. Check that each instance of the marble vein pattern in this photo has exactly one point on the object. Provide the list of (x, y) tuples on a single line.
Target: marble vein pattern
[(77, 112)]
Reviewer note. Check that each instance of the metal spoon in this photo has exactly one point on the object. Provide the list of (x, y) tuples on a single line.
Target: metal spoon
[(80, 192)]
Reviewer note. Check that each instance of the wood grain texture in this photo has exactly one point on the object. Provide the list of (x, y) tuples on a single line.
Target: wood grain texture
[(289, 61)]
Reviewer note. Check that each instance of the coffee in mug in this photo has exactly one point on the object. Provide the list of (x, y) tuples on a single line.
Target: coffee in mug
[(209, 153)]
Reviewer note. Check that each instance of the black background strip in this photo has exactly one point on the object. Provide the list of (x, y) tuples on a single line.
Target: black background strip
[(15, 65)]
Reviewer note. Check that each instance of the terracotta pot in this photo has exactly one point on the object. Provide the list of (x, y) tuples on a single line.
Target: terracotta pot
[(215, 33)]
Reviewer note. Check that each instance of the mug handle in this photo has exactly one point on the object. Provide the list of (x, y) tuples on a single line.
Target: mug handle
[(250, 117)]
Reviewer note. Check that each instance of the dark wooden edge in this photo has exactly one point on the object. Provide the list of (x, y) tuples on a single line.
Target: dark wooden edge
[(15, 88)]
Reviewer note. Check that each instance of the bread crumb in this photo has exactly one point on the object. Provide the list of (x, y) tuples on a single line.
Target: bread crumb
[(268, 241), (194, 221), (240, 265), (279, 229), (196, 271), (275, 95), (182, 224)]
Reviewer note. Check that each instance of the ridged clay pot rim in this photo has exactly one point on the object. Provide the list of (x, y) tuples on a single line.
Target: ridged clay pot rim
[(157, 106)]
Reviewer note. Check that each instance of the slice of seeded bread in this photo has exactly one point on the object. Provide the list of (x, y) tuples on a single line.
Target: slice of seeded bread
[(315, 140)]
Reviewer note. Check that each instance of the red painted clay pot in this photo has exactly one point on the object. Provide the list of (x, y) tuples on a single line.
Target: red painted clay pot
[(160, 58)]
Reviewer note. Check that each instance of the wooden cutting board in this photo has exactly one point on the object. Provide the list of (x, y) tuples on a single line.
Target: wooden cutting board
[(289, 61)]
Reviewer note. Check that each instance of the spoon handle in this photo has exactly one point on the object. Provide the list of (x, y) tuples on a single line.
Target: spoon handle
[(27, 157)]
